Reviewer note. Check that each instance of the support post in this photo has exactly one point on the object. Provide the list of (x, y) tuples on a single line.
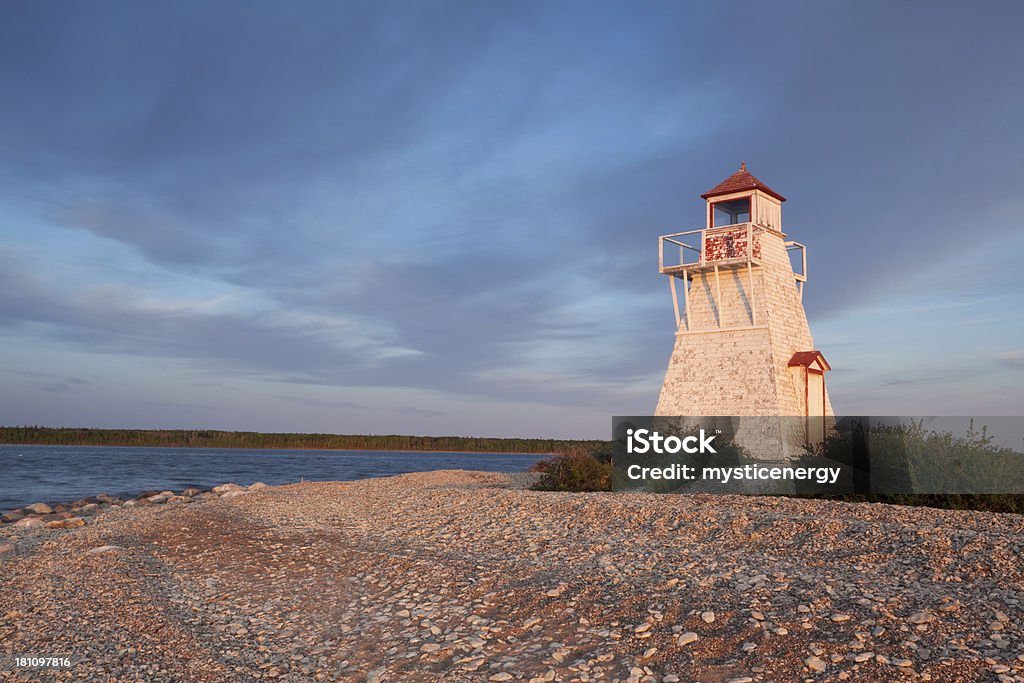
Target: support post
[(750, 284), (750, 273), (718, 297), (686, 298), (675, 300)]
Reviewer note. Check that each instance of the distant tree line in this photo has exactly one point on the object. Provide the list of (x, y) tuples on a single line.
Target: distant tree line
[(208, 438)]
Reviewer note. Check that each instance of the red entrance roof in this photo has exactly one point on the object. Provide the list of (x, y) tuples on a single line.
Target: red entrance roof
[(805, 358), (740, 181)]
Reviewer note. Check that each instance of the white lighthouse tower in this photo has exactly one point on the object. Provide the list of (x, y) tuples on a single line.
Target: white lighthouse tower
[(743, 347)]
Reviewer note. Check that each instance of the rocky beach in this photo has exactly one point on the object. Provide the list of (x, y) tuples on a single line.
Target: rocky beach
[(469, 576)]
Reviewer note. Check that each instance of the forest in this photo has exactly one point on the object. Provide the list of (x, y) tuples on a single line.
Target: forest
[(207, 438)]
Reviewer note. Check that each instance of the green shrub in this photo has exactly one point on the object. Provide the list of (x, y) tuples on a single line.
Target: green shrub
[(574, 472), (906, 464)]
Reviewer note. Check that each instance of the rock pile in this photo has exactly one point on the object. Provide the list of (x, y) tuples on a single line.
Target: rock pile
[(75, 514)]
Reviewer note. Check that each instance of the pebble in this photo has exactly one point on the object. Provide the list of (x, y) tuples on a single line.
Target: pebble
[(815, 664), (104, 549), (687, 638)]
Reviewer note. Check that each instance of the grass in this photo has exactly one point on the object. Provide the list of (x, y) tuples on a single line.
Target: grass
[(890, 462)]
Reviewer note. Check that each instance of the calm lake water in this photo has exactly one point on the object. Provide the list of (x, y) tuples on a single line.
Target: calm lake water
[(54, 474)]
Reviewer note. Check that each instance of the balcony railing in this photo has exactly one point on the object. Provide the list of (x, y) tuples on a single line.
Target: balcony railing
[(738, 244)]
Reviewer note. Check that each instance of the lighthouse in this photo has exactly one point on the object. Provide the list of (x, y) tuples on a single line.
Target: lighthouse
[(743, 348)]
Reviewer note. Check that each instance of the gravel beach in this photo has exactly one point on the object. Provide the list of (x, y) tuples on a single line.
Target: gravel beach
[(468, 576)]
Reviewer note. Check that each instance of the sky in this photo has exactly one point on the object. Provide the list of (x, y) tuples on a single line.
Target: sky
[(442, 217)]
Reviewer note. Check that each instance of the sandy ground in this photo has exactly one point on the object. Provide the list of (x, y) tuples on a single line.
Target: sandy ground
[(465, 576)]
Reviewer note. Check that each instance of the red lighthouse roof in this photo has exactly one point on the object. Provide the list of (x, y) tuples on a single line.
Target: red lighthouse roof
[(740, 181)]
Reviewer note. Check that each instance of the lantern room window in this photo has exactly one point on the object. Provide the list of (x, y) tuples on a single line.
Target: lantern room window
[(730, 212)]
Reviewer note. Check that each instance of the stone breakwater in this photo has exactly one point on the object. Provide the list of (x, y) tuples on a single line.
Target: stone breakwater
[(462, 576), (72, 515)]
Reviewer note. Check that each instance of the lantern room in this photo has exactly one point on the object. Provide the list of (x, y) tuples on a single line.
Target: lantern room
[(742, 198)]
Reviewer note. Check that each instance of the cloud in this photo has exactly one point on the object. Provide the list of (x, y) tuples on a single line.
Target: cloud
[(323, 403), (421, 412), (1011, 359)]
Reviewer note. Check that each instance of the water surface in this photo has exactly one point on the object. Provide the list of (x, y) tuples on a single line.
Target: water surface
[(52, 474)]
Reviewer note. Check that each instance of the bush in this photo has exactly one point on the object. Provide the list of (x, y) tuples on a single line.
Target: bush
[(579, 469), (884, 460), (906, 464)]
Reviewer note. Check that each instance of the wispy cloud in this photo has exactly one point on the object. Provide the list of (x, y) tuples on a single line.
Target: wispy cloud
[(1011, 359)]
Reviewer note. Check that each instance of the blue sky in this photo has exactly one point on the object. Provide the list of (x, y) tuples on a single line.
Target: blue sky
[(442, 218)]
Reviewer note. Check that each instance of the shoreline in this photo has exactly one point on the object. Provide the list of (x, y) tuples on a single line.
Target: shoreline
[(73, 514), (202, 483), (468, 576)]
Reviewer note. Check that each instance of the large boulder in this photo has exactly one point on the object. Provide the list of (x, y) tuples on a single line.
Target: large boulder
[(224, 488), (39, 509), (12, 516), (69, 523), (55, 515), (258, 486), (30, 523)]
